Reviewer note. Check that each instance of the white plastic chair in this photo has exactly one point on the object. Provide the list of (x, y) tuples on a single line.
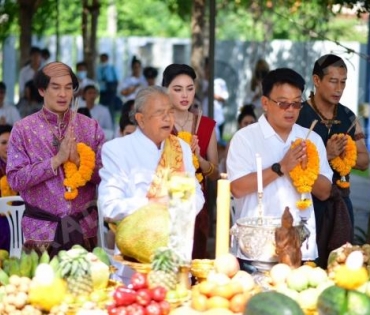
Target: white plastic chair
[(102, 235), (12, 208)]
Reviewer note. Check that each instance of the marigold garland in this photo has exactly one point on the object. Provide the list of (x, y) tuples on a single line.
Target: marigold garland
[(6, 190), (78, 177), (187, 136), (304, 178), (344, 162)]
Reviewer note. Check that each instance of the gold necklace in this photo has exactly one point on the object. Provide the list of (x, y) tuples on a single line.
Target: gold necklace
[(56, 140), (183, 125), (324, 120)]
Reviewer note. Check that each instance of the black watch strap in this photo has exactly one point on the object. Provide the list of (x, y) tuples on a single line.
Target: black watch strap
[(276, 167)]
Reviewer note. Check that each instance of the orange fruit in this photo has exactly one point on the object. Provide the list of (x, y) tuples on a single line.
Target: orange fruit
[(217, 302), (199, 302), (238, 302), (236, 287), (206, 287), (226, 291)]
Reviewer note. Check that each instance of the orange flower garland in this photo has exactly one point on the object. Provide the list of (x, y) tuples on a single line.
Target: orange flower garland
[(6, 190), (78, 177), (344, 162), (187, 136), (303, 179)]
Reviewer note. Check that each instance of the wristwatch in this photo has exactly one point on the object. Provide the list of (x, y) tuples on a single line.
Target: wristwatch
[(276, 167)]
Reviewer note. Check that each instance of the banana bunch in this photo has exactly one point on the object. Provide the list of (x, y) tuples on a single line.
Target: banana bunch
[(73, 262)]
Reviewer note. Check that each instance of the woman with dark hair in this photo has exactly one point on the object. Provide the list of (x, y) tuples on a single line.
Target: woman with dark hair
[(199, 131), (132, 84), (5, 190), (31, 102)]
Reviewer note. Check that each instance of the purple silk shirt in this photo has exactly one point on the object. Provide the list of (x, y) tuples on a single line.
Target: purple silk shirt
[(30, 173)]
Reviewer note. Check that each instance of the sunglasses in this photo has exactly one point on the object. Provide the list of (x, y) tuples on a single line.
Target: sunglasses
[(285, 105)]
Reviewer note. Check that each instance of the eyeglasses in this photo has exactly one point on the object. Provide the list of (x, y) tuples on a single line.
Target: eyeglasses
[(285, 105)]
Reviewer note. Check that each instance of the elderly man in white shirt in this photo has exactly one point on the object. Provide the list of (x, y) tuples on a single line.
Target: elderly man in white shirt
[(271, 138), (130, 163)]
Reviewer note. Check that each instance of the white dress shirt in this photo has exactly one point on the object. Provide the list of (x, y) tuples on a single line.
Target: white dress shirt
[(10, 113), (241, 160), (129, 164)]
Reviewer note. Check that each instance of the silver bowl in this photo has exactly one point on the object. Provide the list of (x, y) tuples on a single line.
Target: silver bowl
[(256, 240)]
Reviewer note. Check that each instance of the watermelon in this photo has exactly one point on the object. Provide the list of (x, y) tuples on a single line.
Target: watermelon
[(337, 301), (272, 303)]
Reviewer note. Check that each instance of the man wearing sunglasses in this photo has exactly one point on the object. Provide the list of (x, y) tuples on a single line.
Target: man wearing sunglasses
[(271, 137), (329, 77)]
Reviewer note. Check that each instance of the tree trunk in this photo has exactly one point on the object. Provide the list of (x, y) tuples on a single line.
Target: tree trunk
[(197, 38), (90, 14), (27, 9)]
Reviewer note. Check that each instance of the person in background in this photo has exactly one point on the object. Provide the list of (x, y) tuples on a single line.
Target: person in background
[(84, 111), (254, 89), (108, 81), (133, 83), (45, 56), (31, 102), (179, 79), (150, 75), (271, 137), (98, 112), (5, 189), (126, 126), (329, 76), (245, 118), (220, 96), (9, 114), (28, 71), (43, 147), (83, 81)]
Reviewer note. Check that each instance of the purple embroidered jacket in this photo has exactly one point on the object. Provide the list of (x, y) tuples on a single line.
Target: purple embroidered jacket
[(29, 170)]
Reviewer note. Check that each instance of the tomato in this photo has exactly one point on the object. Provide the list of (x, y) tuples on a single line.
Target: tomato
[(153, 309), (138, 281), (143, 296), (159, 293), (121, 310), (135, 309), (124, 296), (165, 307)]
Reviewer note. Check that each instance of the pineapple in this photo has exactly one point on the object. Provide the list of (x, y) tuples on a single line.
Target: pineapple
[(75, 269), (165, 267)]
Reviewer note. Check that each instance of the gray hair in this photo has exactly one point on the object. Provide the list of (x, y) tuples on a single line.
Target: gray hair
[(143, 96)]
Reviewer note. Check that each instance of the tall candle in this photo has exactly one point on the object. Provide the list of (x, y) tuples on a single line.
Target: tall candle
[(259, 174), (223, 216)]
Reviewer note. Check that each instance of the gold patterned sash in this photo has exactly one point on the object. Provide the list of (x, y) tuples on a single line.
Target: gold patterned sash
[(171, 162)]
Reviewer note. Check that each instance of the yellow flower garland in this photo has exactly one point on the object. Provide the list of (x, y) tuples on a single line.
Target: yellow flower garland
[(344, 163), (74, 177), (303, 179), (6, 190), (187, 136)]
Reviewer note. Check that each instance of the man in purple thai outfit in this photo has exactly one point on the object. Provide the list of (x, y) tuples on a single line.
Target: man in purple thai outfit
[(39, 146)]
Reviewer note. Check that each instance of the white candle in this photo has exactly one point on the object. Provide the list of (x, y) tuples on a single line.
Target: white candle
[(223, 217), (259, 174)]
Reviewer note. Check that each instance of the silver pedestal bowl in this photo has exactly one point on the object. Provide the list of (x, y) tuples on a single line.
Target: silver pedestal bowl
[(256, 240)]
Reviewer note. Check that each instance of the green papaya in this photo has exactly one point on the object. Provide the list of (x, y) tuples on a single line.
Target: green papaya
[(25, 265), (141, 233), (272, 303), (45, 258), (6, 265), (4, 278), (14, 266), (34, 261), (102, 255)]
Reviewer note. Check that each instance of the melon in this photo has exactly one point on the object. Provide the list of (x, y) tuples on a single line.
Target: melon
[(272, 303), (141, 233), (336, 301)]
